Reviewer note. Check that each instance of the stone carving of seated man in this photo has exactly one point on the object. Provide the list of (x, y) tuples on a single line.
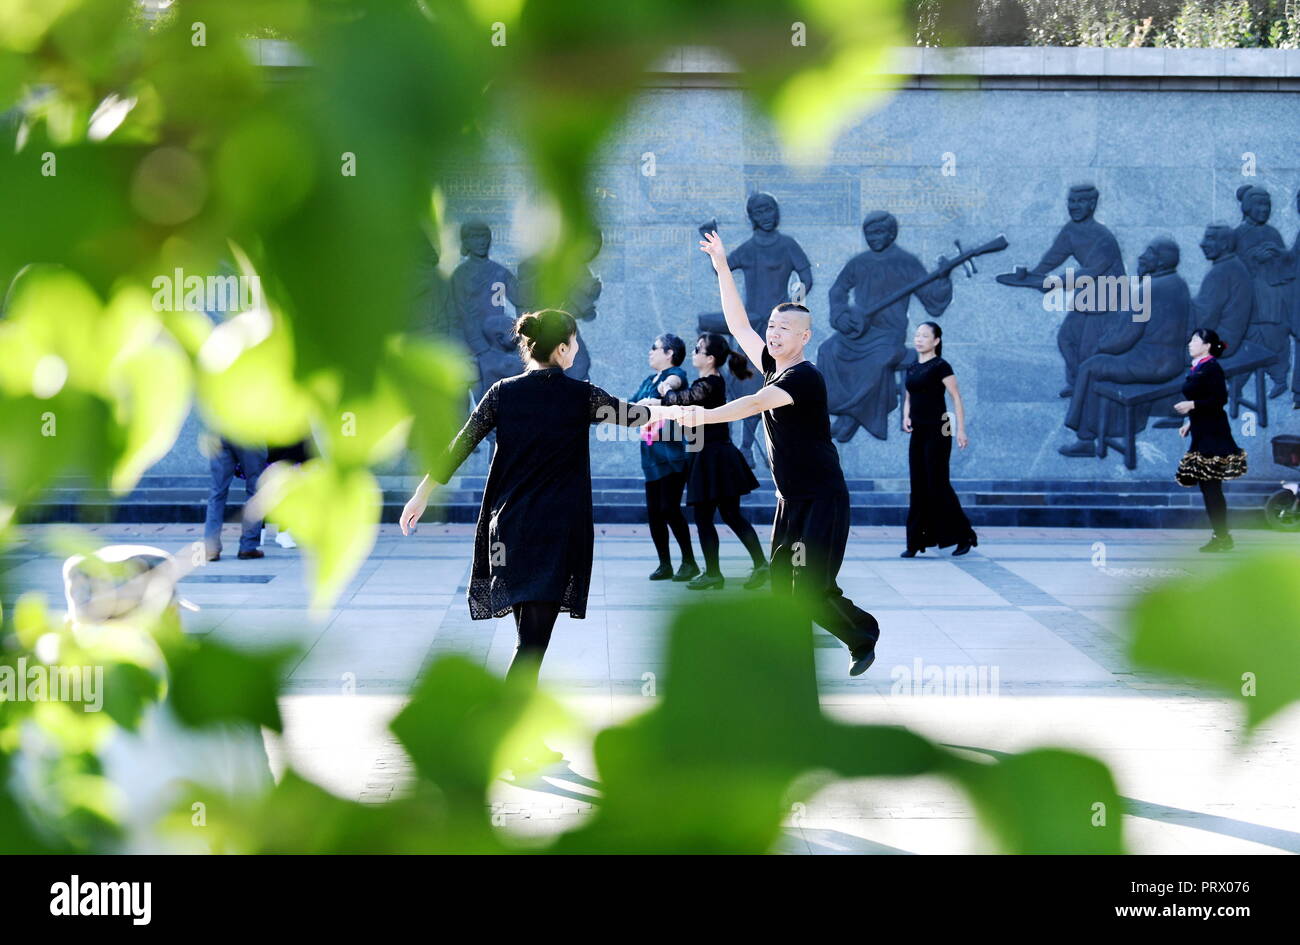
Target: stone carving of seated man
[(1135, 350)]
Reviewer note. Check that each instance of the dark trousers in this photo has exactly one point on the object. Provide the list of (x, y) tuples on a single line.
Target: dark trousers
[(808, 541), (934, 513), (222, 470), (534, 621), (729, 509), (663, 506), (1216, 506)]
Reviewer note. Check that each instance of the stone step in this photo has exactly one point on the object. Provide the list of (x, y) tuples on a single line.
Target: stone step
[(1153, 503)]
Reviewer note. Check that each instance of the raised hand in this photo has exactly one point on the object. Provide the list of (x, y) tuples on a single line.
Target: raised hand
[(712, 244)]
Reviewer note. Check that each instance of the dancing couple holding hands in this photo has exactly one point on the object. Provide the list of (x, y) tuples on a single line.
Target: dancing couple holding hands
[(535, 535)]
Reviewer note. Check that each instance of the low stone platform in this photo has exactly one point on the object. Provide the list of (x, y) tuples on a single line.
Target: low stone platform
[(1147, 503)]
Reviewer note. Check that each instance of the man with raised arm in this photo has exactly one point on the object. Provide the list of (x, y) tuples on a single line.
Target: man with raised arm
[(811, 528)]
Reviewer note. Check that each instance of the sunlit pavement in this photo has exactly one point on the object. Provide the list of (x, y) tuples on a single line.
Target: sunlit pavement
[(1040, 607)]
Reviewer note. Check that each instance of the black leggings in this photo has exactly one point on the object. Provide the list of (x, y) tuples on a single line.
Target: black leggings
[(534, 621), (729, 509), (663, 505), (1216, 506)]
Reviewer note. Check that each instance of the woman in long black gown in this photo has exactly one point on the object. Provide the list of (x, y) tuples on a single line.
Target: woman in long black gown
[(934, 515), (1213, 455), (719, 474), (533, 545)]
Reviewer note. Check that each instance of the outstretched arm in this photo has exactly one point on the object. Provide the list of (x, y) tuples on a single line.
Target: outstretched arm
[(480, 423), (606, 408), (769, 398), (733, 309)]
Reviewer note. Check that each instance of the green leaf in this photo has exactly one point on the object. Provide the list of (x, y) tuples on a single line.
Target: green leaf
[(246, 384), (211, 683), (1236, 627), (1046, 801), (333, 513), (17, 833), (432, 380)]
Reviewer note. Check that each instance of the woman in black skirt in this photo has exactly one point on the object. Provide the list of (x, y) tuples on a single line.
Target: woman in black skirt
[(533, 546), (1213, 454), (934, 516), (718, 474), (663, 460)]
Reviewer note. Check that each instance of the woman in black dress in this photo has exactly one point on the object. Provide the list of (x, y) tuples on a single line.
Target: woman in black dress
[(663, 460), (1213, 455), (533, 545), (934, 516), (718, 474)]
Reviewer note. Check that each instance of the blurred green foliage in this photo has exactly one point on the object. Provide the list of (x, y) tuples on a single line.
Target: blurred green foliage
[(138, 147), (1236, 629)]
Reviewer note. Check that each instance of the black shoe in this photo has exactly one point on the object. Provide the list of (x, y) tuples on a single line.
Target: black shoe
[(214, 555), (662, 573), (862, 663), (1219, 543), (1278, 390), (965, 546), (1296, 405), (910, 553), (1079, 448), (255, 553), (757, 577), (707, 582), (687, 571)]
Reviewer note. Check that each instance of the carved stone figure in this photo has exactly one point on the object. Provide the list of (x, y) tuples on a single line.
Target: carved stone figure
[(480, 288), (1096, 251), (431, 314), (858, 361), (1132, 350), (1272, 270), (501, 360), (581, 302), (1225, 300)]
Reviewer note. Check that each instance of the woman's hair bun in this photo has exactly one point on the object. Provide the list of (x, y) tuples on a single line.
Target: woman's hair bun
[(541, 332)]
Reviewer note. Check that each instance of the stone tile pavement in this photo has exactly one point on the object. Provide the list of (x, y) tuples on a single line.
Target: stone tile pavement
[(1037, 607)]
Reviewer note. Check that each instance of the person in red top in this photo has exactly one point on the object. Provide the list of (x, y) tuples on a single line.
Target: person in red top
[(811, 529)]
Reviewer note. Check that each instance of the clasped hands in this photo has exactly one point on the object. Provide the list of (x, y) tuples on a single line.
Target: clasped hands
[(687, 416)]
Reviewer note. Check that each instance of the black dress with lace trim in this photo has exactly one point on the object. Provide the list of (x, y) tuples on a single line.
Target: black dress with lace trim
[(716, 469), (1212, 454), (535, 534)]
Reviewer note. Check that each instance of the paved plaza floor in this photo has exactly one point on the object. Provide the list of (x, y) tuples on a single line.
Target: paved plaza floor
[(1036, 604)]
